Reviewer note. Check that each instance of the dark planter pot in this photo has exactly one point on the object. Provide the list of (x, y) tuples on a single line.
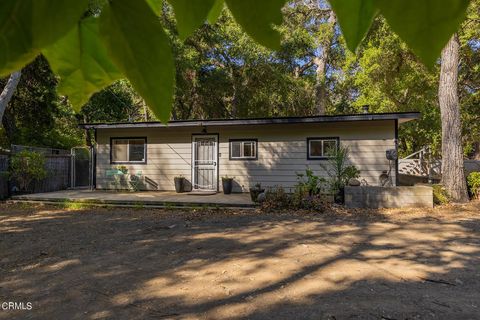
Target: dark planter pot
[(339, 197), (227, 186), (179, 185), (254, 192)]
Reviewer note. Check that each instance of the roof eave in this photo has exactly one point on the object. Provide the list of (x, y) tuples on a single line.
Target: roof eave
[(401, 117)]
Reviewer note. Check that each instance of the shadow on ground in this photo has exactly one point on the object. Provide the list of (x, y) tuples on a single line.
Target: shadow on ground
[(140, 264)]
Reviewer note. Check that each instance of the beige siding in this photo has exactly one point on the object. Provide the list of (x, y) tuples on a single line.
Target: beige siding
[(282, 151)]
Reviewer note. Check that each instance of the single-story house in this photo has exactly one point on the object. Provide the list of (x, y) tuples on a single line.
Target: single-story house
[(269, 151)]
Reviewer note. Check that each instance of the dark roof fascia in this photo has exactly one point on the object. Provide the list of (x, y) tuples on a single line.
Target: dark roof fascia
[(402, 117)]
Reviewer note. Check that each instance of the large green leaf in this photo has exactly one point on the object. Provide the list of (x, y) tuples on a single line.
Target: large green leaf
[(355, 18), (425, 25), (156, 6), (216, 11), (257, 18), (81, 61), (139, 47), (191, 14), (27, 26)]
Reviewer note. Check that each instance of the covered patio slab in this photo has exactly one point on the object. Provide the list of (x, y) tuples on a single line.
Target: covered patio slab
[(147, 198)]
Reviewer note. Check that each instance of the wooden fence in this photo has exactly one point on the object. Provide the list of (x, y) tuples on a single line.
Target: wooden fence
[(58, 175)]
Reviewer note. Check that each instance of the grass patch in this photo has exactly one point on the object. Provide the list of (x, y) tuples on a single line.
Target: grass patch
[(73, 205), (440, 195)]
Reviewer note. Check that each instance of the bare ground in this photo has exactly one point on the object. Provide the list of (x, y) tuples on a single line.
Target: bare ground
[(98, 263)]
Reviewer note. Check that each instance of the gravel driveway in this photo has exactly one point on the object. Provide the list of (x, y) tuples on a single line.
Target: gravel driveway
[(99, 263)]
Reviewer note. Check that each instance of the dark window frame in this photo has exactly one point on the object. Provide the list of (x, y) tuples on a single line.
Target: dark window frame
[(128, 138), (320, 138), (243, 140)]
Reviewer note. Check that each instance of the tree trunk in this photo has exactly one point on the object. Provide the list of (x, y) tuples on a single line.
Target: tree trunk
[(8, 91), (321, 99), (453, 175), (9, 125)]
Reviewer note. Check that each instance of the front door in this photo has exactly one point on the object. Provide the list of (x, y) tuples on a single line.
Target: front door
[(204, 163)]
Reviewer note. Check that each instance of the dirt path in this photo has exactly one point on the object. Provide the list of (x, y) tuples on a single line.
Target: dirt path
[(153, 264)]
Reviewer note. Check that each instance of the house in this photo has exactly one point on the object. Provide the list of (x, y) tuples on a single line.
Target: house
[(269, 151)]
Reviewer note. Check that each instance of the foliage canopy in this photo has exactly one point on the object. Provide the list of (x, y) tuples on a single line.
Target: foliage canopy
[(128, 37)]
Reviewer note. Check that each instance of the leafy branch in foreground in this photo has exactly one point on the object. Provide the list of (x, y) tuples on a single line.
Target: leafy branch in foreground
[(128, 40)]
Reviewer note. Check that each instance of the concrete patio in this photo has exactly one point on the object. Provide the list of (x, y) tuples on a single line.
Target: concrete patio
[(146, 198)]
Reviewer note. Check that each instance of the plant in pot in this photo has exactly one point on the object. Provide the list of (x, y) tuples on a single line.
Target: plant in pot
[(122, 169), (25, 168), (179, 184), (255, 191), (340, 172), (227, 183)]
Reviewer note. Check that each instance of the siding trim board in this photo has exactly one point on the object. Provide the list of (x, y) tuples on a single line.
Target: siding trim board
[(396, 148)]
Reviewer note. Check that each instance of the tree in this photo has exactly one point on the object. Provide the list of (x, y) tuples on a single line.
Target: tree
[(222, 73), (8, 91), (321, 99), (125, 38), (36, 115), (453, 175), (386, 76), (469, 80)]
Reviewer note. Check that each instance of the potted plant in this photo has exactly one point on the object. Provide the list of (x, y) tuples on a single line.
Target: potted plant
[(255, 191), (227, 183), (122, 169), (340, 173), (179, 184)]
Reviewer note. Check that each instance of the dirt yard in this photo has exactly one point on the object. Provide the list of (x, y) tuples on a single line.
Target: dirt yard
[(152, 264)]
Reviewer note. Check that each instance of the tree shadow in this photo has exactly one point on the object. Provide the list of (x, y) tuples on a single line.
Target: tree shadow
[(134, 264)]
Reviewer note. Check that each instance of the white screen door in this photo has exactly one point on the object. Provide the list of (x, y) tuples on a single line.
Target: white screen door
[(204, 166)]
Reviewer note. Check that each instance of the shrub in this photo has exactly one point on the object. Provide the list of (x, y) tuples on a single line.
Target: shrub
[(440, 195), (473, 181), (275, 198), (339, 171), (25, 167), (308, 183)]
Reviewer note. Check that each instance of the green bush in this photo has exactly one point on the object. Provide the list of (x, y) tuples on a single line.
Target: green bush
[(473, 181), (308, 183), (440, 195), (26, 167), (277, 199)]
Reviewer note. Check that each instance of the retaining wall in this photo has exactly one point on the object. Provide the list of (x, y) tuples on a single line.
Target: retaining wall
[(388, 197)]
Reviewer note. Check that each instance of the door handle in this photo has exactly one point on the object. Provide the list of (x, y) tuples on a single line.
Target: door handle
[(214, 163)]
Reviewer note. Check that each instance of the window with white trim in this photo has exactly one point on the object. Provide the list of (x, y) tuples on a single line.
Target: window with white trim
[(243, 149), (322, 148), (129, 150)]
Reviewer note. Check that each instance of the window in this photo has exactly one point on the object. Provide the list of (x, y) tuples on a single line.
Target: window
[(128, 150), (243, 149), (321, 148)]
